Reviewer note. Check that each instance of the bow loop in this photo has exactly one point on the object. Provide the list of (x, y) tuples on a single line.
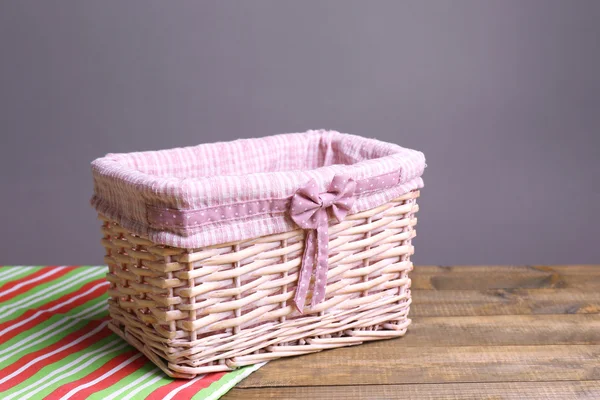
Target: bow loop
[(306, 202), (342, 187), (309, 210)]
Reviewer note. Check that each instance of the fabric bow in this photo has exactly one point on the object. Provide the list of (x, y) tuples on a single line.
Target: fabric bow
[(309, 210)]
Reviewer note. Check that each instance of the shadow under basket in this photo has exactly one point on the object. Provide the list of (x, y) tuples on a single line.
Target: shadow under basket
[(217, 308)]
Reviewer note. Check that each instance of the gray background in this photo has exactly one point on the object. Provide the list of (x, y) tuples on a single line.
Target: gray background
[(502, 96)]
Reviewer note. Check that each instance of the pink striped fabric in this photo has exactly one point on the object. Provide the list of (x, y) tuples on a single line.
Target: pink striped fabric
[(130, 188)]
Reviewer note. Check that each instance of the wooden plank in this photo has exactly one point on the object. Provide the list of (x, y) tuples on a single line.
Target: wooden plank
[(575, 269), (505, 277), (500, 330), (433, 303), (370, 364), (468, 391)]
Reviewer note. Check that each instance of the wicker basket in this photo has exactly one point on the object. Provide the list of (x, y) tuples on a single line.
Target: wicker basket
[(198, 294)]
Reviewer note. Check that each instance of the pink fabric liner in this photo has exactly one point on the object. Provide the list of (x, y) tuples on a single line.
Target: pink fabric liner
[(160, 217), (198, 185)]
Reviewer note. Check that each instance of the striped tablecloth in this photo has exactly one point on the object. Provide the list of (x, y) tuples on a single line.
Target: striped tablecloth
[(54, 343)]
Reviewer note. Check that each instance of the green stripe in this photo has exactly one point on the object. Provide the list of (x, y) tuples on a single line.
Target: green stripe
[(41, 286), (95, 302), (48, 338), (33, 298), (149, 366), (228, 381), (75, 273), (115, 352), (23, 273), (143, 393), (34, 380), (164, 380)]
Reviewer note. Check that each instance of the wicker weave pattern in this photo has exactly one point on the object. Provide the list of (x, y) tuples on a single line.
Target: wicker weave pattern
[(193, 311)]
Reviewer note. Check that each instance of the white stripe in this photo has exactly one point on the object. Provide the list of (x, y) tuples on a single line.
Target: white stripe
[(225, 388), (37, 314), (39, 278), (106, 375), (102, 351), (60, 286), (40, 358), (85, 313), (13, 271), (132, 384), (173, 392), (27, 342), (51, 289), (142, 387)]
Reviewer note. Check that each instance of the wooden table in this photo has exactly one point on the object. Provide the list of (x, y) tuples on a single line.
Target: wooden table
[(477, 333)]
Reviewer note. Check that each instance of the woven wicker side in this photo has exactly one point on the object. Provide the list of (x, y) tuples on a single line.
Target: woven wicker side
[(222, 307)]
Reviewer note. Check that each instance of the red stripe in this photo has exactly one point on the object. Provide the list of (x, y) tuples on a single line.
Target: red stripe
[(162, 391), (189, 391), (104, 383), (61, 310), (31, 285), (56, 357), (203, 383)]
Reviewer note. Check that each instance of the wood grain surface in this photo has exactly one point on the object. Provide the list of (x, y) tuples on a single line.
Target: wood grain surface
[(481, 332), (470, 391)]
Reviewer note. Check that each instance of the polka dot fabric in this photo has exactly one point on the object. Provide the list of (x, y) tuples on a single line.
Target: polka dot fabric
[(309, 210)]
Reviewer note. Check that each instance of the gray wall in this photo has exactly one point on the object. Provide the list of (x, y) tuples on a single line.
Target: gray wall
[(502, 96)]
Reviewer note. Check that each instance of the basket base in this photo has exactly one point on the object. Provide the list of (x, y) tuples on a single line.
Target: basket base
[(288, 339), (159, 362)]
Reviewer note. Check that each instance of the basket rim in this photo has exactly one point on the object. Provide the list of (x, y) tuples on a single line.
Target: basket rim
[(378, 158), (128, 195)]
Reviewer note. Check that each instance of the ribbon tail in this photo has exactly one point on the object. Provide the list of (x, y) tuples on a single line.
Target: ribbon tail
[(308, 261), (322, 261)]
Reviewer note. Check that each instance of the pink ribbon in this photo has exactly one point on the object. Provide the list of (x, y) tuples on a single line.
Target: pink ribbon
[(309, 209)]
